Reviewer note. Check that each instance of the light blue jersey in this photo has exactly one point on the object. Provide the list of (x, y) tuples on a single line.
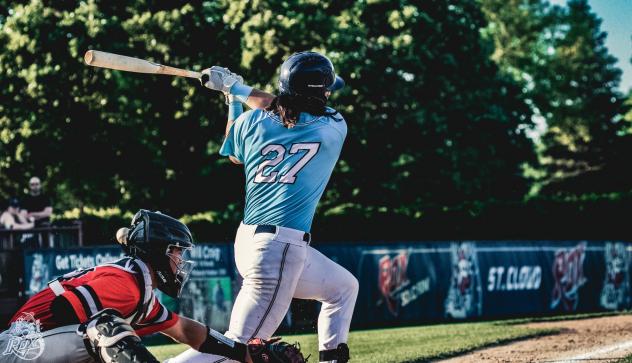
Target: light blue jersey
[(286, 169)]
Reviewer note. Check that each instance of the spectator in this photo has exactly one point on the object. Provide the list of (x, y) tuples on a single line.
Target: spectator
[(218, 296), (37, 204), (14, 218)]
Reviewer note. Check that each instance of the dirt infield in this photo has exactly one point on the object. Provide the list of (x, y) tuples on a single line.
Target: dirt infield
[(605, 339)]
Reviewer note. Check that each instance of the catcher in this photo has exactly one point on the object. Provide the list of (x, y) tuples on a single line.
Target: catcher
[(98, 314)]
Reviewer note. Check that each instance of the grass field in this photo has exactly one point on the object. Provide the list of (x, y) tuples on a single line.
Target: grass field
[(408, 344)]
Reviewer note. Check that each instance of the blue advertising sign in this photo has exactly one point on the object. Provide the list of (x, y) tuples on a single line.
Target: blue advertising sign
[(41, 266), (207, 297), (420, 281), (409, 282)]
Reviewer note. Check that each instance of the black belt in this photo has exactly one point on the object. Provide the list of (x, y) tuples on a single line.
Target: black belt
[(268, 228)]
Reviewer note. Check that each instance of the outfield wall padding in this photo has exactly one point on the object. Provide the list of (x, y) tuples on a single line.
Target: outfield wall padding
[(409, 282), (207, 296), (419, 282)]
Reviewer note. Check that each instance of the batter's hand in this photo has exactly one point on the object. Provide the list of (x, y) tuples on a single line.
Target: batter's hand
[(274, 351), (220, 79)]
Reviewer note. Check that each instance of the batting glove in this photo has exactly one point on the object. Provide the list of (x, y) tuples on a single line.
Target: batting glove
[(220, 79)]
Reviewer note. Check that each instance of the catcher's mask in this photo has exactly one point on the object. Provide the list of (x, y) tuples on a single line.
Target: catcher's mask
[(165, 244)]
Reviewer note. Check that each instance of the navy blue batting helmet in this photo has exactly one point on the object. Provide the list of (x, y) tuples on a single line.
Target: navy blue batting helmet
[(308, 74)]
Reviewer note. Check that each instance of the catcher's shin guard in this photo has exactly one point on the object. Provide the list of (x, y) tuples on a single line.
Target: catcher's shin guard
[(113, 340), (338, 355)]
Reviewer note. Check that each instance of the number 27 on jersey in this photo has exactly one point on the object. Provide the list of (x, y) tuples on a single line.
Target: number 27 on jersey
[(291, 175)]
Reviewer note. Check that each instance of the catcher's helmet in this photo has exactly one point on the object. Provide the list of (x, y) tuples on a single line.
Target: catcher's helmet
[(155, 238), (308, 74)]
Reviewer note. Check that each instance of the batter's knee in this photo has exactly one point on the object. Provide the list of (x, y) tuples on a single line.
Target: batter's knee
[(345, 292), (351, 285), (342, 290), (355, 286)]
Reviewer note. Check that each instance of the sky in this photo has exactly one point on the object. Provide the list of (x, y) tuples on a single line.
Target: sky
[(616, 17)]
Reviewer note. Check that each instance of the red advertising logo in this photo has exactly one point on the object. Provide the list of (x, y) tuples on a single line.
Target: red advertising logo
[(568, 277), (392, 278)]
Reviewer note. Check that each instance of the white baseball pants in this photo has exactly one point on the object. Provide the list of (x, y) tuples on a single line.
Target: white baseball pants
[(277, 267)]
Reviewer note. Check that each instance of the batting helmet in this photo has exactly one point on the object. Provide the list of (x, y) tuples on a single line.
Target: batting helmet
[(155, 238), (308, 74)]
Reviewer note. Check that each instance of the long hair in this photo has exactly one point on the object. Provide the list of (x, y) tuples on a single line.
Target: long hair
[(289, 107)]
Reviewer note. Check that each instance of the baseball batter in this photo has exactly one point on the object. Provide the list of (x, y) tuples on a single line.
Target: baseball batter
[(288, 146)]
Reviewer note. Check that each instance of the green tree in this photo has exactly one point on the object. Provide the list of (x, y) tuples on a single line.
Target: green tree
[(521, 36), (454, 127), (106, 138), (628, 116), (432, 123), (559, 56), (585, 142)]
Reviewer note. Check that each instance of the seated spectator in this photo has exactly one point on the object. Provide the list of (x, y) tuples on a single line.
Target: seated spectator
[(37, 204), (14, 218)]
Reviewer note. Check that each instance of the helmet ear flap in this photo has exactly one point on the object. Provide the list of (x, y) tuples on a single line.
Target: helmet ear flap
[(137, 217), (139, 232)]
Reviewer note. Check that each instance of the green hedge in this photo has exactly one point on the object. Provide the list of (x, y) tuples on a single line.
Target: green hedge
[(584, 218)]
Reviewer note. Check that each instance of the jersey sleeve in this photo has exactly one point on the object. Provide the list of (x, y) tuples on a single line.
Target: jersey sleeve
[(340, 125), (158, 319), (114, 291), (233, 142)]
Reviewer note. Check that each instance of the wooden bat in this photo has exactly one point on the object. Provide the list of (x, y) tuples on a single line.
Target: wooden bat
[(97, 58)]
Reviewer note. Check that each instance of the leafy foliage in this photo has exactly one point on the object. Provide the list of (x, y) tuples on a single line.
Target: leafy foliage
[(438, 114), (432, 124), (570, 80), (101, 137)]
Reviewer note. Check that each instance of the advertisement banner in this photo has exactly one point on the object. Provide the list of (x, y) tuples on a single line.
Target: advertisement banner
[(207, 297), (41, 266), (398, 282), (421, 281), (615, 289), (403, 283)]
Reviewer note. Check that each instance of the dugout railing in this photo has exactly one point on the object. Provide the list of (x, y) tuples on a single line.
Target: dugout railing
[(13, 243), (52, 236)]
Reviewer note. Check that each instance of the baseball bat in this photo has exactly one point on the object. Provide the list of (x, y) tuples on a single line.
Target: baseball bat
[(97, 58)]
